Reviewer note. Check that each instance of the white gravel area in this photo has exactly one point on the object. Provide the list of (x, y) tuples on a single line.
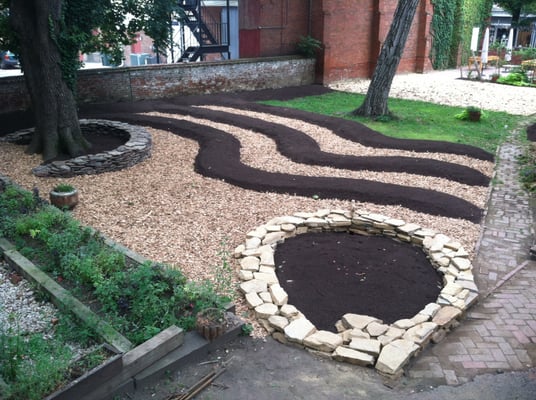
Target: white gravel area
[(167, 212), (20, 312), (446, 87)]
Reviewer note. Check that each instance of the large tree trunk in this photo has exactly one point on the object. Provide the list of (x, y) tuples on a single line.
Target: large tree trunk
[(375, 103), (57, 129)]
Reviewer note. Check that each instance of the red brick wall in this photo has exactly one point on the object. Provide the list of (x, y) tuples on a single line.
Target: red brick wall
[(276, 25), (354, 31)]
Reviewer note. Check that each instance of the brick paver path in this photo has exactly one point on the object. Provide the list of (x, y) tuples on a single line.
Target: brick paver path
[(499, 333)]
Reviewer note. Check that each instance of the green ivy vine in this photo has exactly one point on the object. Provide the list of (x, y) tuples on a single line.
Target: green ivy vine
[(452, 27)]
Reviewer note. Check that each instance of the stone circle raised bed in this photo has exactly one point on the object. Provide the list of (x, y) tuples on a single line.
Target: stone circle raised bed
[(137, 148), (361, 339)]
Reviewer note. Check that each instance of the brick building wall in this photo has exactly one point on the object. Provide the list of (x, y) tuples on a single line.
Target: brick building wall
[(351, 32)]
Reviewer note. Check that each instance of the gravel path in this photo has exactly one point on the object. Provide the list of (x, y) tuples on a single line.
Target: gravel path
[(446, 87)]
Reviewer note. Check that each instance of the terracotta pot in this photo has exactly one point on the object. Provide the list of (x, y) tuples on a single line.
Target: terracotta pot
[(211, 323), (64, 200), (474, 116)]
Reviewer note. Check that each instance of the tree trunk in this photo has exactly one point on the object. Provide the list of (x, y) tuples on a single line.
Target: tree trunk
[(375, 103), (57, 130)]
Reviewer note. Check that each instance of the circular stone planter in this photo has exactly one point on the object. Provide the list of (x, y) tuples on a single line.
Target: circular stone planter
[(361, 339), (137, 148)]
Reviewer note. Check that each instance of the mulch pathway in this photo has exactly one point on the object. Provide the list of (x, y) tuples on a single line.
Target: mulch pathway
[(329, 274)]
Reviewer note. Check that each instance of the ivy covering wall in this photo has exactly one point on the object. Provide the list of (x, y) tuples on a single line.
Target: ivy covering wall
[(452, 27)]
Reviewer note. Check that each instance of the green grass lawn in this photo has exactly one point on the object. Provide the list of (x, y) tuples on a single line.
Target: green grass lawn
[(415, 119)]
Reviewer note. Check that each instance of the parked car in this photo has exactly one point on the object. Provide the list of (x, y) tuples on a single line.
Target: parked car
[(8, 60)]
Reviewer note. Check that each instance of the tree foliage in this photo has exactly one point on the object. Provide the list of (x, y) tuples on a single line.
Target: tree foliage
[(516, 8), (50, 35)]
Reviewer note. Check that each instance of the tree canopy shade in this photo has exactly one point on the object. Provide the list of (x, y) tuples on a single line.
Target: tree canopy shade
[(516, 8), (375, 103), (49, 36)]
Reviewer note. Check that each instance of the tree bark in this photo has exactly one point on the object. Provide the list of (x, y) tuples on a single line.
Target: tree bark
[(375, 103), (57, 129)]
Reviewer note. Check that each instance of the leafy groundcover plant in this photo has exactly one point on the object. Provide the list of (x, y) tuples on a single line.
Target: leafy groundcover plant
[(137, 300)]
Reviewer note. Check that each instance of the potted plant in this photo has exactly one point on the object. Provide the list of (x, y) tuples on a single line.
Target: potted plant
[(474, 113), (211, 323), (470, 113), (64, 196), (494, 77)]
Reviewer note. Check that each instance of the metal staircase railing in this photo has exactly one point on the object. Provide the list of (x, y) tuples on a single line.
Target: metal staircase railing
[(210, 35)]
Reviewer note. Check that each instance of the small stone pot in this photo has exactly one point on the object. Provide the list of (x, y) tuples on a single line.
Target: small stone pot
[(211, 323), (64, 200)]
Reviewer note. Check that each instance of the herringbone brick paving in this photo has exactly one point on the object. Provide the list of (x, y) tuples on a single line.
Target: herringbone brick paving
[(498, 333)]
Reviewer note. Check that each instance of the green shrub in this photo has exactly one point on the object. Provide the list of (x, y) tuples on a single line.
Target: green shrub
[(527, 168), (139, 300), (517, 78), (64, 188), (308, 46)]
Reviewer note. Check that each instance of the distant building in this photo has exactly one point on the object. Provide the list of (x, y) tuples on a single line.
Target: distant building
[(351, 33), (501, 22)]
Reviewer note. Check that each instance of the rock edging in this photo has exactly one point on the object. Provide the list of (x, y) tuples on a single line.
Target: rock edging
[(361, 339), (136, 149)]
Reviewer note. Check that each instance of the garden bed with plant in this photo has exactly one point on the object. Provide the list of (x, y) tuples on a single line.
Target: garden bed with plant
[(139, 301)]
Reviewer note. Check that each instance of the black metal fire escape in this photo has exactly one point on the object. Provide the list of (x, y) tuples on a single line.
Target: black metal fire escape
[(211, 37)]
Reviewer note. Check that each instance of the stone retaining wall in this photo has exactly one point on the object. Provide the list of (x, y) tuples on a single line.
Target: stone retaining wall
[(109, 85), (136, 149), (361, 339)]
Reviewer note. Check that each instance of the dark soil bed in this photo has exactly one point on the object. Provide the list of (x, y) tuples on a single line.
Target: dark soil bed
[(330, 274)]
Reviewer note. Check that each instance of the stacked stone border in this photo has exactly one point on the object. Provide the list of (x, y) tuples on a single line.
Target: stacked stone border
[(361, 339), (137, 148)]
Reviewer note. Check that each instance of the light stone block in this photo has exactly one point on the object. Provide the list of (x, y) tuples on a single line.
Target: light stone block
[(369, 346), (316, 222), (420, 334), (237, 253), (404, 323), (253, 285), (253, 300), (274, 237), (358, 333), (431, 309), (352, 356), (323, 341), (266, 297), (408, 228), (288, 311), (245, 275), (253, 243), (266, 310), (288, 228), (358, 321), (463, 264), (299, 329), (446, 315), (267, 258), (279, 296), (268, 277), (395, 355), (278, 322), (250, 263)]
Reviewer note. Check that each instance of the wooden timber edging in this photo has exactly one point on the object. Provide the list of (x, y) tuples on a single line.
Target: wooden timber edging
[(130, 367)]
